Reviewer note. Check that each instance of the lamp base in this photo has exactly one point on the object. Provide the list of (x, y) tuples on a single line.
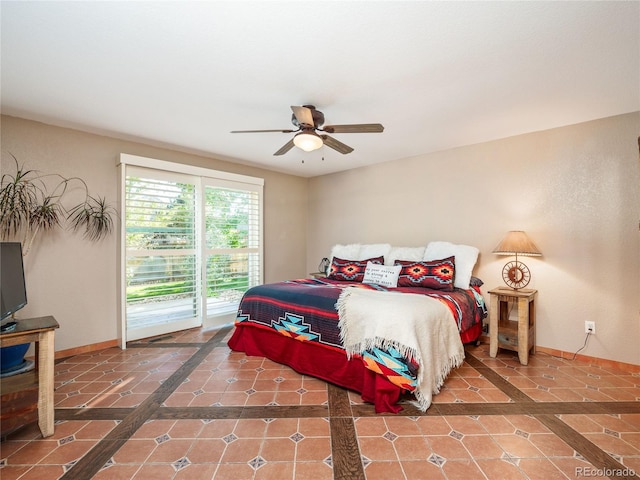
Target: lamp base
[(516, 275)]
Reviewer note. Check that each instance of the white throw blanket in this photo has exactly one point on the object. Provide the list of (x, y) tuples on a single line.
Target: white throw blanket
[(416, 325)]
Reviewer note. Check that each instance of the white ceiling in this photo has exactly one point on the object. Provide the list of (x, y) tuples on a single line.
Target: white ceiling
[(437, 75)]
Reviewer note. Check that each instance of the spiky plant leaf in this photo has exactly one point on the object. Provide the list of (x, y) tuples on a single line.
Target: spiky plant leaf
[(94, 217), (17, 198)]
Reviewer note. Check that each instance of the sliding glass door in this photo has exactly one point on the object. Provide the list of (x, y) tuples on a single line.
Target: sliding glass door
[(232, 244), (192, 246), (162, 290)]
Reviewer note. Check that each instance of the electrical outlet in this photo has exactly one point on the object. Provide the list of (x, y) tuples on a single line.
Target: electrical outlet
[(590, 327)]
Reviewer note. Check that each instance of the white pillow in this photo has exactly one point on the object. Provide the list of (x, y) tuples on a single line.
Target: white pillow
[(465, 260), (345, 252), (373, 250), (385, 275), (415, 254)]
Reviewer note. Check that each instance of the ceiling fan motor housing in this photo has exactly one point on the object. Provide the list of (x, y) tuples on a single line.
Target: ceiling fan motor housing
[(318, 117)]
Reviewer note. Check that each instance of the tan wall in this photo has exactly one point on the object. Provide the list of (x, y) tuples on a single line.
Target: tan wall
[(75, 280), (574, 190)]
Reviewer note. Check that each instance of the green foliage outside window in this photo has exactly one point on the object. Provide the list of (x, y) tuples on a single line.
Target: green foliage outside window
[(161, 215)]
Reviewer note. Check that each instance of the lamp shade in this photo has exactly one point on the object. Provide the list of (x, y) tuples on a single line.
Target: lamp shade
[(307, 141), (517, 243)]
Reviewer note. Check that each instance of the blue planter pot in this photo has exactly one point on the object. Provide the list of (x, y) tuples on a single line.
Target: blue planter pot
[(11, 357)]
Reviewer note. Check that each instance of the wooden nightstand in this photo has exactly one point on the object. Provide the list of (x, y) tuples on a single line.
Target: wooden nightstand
[(517, 335)]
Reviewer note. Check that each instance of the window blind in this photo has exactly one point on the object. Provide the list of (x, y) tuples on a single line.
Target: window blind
[(161, 241)]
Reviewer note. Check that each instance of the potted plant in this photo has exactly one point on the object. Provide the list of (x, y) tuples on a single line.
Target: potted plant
[(34, 203)]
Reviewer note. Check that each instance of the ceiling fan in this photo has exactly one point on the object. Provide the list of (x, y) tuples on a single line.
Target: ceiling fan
[(309, 121)]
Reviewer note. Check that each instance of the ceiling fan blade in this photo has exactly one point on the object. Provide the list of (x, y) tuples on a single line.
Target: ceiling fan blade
[(263, 131), (285, 148), (336, 145), (303, 115), (354, 128)]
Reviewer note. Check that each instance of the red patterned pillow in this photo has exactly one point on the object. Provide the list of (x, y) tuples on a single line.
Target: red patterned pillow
[(434, 274), (350, 270)]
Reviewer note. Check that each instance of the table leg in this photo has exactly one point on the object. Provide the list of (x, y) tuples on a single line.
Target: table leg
[(523, 330), (45, 383), (493, 325), (532, 321)]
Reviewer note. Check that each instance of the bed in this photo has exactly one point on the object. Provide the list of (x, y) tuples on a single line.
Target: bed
[(299, 322)]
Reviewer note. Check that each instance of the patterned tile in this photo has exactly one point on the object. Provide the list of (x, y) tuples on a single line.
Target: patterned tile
[(128, 414)]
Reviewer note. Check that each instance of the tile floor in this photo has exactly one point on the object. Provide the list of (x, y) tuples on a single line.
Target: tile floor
[(184, 406)]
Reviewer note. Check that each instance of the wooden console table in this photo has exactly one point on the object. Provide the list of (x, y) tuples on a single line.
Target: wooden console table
[(16, 409)]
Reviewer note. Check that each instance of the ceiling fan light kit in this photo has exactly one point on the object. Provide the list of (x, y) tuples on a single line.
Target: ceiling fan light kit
[(308, 121), (307, 141)]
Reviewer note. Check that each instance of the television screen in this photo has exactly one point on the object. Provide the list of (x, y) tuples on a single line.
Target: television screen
[(13, 293)]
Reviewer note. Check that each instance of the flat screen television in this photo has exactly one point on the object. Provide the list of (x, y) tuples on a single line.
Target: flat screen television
[(13, 293)]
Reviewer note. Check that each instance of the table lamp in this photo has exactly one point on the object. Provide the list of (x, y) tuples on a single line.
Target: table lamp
[(516, 274)]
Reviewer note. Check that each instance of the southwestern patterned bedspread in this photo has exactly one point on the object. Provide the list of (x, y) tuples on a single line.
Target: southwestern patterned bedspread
[(305, 310)]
